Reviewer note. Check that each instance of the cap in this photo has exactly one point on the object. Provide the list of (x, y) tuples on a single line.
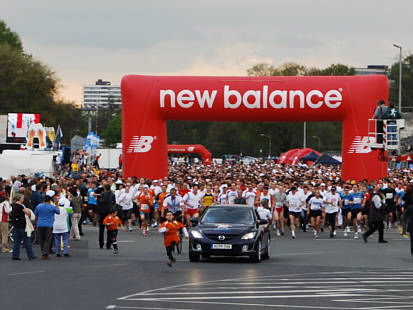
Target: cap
[(155, 181), (50, 193), (145, 186), (333, 188), (322, 184)]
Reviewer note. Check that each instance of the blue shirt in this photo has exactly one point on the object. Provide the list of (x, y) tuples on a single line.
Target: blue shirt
[(347, 200), (45, 214), (357, 199), (92, 199)]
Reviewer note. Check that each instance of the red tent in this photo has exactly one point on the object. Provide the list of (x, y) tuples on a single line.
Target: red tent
[(292, 157)]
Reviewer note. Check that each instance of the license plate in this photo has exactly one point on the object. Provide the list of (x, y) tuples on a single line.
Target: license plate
[(222, 246)]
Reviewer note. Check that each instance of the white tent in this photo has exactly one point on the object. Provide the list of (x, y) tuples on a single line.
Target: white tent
[(15, 162)]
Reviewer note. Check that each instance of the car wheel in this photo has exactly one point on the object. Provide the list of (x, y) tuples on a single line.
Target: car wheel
[(266, 254), (193, 257), (256, 257)]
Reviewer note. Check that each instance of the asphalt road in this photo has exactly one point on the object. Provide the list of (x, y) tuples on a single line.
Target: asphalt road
[(303, 273)]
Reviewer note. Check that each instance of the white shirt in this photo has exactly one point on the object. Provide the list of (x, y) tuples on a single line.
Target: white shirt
[(264, 213), (315, 203), (295, 201), (223, 198), (331, 202), (249, 197), (173, 205), (231, 196), (193, 201), (126, 200), (60, 222)]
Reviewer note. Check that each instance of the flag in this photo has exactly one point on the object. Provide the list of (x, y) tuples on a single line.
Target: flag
[(59, 135)]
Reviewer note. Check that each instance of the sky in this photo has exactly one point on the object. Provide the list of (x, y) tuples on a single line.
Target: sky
[(83, 41)]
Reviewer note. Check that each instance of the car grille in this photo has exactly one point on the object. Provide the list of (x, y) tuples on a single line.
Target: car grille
[(215, 237)]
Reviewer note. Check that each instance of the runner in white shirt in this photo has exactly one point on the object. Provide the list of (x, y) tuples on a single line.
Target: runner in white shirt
[(125, 200), (232, 193), (314, 210), (249, 195), (264, 195), (295, 203), (332, 202), (192, 201), (264, 211), (223, 196)]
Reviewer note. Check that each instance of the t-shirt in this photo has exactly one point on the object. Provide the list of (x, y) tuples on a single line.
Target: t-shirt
[(249, 197), (315, 203), (264, 213), (208, 199), (347, 200), (17, 216), (390, 194), (145, 202), (173, 205), (171, 233), (295, 201), (193, 200), (231, 194), (61, 223), (331, 202), (113, 220), (92, 197), (357, 200), (45, 214)]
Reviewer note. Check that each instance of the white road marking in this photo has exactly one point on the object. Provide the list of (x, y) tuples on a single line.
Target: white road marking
[(294, 254), (149, 308), (23, 273), (127, 241), (111, 265)]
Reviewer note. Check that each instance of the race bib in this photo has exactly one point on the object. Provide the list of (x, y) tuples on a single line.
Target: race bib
[(357, 200), (346, 201), (144, 207), (389, 195)]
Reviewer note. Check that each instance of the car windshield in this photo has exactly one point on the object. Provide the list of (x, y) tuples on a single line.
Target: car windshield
[(228, 215)]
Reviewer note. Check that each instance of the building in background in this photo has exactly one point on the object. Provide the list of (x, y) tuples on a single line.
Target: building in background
[(100, 94), (373, 69)]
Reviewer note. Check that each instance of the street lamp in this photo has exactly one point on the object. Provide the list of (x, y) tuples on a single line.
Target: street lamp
[(400, 76), (269, 144), (319, 142)]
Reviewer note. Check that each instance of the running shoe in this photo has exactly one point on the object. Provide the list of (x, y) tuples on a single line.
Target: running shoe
[(356, 235), (278, 233), (345, 233)]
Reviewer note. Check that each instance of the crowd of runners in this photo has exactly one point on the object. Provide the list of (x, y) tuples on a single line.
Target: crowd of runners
[(303, 197)]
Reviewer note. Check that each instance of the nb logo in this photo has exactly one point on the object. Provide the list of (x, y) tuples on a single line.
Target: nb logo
[(140, 144), (360, 145)]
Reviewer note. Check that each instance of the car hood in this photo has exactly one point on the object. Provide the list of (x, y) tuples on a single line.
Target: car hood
[(224, 229)]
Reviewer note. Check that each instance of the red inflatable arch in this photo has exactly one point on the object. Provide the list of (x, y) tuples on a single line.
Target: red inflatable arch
[(149, 101), (191, 149)]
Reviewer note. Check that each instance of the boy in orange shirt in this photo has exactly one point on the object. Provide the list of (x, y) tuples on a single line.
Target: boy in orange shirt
[(170, 229), (112, 221)]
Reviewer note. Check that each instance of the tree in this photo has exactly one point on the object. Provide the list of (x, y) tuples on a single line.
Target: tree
[(10, 38), (29, 86), (261, 69), (113, 132)]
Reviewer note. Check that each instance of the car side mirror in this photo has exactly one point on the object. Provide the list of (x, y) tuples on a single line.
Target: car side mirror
[(194, 221)]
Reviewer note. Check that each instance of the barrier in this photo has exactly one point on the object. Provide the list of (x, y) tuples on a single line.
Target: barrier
[(191, 149), (149, 101)]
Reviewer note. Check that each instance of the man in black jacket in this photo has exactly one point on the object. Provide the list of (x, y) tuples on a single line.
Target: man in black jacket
[(376, 215), (106, 202)]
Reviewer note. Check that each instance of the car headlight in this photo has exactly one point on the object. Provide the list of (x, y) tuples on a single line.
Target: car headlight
[(248, 236), (196, 234)]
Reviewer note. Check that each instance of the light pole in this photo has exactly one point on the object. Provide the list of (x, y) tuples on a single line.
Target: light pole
[(269, 144), (319, 142), (305, 135), (400, 76)]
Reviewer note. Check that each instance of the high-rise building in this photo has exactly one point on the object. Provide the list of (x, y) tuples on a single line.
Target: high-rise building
[(373, 69), (99, 95)]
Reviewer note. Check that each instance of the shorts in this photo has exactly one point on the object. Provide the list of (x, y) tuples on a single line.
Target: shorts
[(145, 214), (355, 212), (345, 212), (315, 213), (286, 212), (278, 209), (156, 206), (331, 218), (297, 215), (365, 210), (91, 207), (126, 214), (191, 212), (135, 208)]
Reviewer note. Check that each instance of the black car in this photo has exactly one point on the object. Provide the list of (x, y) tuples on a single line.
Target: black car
[(230, 230)]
